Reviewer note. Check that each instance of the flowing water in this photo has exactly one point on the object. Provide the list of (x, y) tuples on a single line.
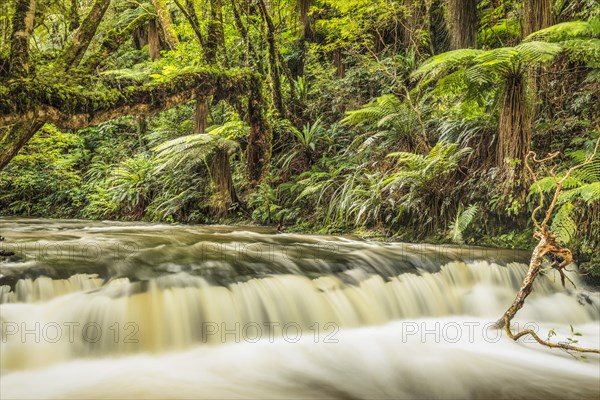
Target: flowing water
[(123, 310)]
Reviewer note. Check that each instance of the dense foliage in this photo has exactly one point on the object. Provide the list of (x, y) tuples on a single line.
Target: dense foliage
[(404, 118)]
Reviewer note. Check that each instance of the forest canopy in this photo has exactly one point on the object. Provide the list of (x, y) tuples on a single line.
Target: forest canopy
[(403, 118)]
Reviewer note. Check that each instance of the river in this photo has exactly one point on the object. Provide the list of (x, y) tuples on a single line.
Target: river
[(138, 310)]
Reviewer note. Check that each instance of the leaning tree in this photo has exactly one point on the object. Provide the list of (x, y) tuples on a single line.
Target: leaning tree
[(64, 87)]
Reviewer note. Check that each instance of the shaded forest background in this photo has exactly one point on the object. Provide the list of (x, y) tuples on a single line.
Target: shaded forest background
[(408, 119)]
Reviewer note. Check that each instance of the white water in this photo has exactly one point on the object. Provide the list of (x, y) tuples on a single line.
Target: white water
[(366, 363), (366, 331)]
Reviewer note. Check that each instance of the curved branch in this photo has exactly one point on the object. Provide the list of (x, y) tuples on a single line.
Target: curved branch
[(547, 343)]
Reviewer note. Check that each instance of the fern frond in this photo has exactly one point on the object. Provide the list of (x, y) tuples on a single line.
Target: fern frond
[(461, 222), (567, 31), (563, 224), (446, 61)]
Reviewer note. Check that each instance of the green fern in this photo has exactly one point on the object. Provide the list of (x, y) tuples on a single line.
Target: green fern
[(461, 222), (563, 224)]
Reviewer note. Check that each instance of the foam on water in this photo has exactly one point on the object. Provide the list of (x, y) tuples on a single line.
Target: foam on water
[(366, 363)]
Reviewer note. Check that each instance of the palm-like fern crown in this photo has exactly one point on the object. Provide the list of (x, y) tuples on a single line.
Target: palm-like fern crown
[(198, 147), (578, 39), (488, 66)]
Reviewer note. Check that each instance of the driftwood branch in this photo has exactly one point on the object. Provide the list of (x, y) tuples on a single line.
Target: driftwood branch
[(547, 343), (547, 245)]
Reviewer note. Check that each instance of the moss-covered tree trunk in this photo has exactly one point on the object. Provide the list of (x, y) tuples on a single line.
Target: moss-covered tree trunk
[(115, 38), (305, 23), (12, 138), (75, 50), (74, 15), (23, 19), (537, 14), (273, 60), (164, 18), (258, 151), (514, 132), (462, 21), (215, 42)]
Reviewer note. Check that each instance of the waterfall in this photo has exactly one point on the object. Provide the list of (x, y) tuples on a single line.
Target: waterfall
[(277, 316), (177, 311)]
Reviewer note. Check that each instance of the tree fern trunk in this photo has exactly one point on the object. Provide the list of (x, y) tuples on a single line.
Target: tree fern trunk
[(201, 117), (462, 21), (537, 14), (514, 133), (225, 194), (153, 40)]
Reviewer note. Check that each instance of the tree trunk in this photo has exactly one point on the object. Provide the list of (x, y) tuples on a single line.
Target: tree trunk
[(74, 15), (250, 50), (338, 62), (273, 60), (201, 117), (21, 32), (438, 28), (13, 138), (462, 20), (305, 23), (306, 33), (140, 37), (514, 132), (225, 194), (153, 40), (537, 14), (115, 38), (258, 151), (163, 16), (86, 109), (189, 12), (215, 43), (84, 35)]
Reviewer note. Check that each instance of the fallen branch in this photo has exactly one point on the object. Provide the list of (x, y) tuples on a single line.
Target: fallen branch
[(547, 245), (564, 346)]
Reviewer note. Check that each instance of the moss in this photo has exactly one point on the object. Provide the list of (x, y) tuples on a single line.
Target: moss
[(22, 96)]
